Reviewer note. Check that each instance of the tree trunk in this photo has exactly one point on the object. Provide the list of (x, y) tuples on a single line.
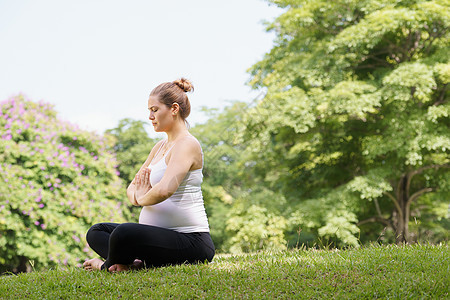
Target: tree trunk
[(402, 216), (23, 267), (402, 201)]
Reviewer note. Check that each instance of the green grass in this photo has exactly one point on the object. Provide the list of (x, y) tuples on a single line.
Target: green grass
[(398, 272)]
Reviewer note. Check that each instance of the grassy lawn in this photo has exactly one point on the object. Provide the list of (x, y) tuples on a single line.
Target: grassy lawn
[(399, 272)]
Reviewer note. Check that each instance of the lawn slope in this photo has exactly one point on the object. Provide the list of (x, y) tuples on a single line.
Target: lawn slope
[(418, 271)]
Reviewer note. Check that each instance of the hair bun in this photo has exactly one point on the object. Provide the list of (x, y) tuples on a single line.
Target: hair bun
[(184, 84)]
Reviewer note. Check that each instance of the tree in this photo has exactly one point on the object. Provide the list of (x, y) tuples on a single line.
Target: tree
[(56, 181), (132, 146), (242, 214), (354, 126)]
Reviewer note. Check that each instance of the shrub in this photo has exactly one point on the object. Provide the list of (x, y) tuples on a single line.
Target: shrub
[(56, 180)]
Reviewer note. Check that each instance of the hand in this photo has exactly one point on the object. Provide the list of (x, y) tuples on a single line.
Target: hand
[(142, 182)]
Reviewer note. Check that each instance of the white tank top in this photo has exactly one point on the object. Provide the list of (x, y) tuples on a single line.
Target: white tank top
[(184, 211)]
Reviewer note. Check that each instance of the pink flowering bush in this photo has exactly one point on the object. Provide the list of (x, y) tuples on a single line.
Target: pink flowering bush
[(55, 182)]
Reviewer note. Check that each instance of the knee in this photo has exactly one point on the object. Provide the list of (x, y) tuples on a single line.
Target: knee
[(122, 233), (91, 232)]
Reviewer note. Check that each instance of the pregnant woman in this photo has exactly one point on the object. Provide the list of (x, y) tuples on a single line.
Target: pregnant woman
[(173, 226)]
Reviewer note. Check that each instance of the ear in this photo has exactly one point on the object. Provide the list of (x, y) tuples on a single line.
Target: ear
[(175, 109)]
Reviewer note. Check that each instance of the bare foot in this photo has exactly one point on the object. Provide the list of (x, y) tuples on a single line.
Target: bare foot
[(118, 268), (93, 264)]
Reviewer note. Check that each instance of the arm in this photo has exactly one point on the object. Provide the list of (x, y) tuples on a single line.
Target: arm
[(183, 157), (131, 190)]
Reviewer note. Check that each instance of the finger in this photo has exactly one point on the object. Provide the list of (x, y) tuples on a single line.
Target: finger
[(138, 178), (146, 177)]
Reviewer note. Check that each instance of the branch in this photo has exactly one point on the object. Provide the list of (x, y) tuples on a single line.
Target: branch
[(406, 45), (397, 206), (441, 99), (381, 60), (413, 91), (427, 48), (375, 219), (399, 50), (432, 37), (418, 171), (399, 188), (377, 206), (408, 183), (382, 63), (418, 194), (384, 51), (415, 44)]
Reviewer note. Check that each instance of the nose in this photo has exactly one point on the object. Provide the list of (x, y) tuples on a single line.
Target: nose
[(151, 116)]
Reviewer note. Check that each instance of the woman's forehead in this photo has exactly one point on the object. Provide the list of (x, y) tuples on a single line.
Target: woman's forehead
[(153, 101)]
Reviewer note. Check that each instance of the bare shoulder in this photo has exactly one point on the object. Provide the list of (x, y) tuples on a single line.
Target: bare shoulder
[(188, 144), (187, 150)]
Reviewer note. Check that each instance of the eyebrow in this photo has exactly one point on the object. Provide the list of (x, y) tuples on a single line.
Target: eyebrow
[(152, 107)]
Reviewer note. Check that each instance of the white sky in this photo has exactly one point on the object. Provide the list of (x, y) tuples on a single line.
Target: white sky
[(97, 61)]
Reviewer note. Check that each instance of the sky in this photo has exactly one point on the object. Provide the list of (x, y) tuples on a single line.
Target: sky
[(97, 61)]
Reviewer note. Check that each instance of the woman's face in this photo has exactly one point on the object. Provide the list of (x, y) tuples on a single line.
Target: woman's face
[(160, 114)]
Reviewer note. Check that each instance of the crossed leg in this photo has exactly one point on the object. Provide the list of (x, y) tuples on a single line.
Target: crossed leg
[(127, 246)]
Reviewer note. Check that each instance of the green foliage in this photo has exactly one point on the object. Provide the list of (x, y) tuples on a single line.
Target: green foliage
[(254, 223), (132, 145), (371, 186), (56, 181), (222, 174), (341, 225), (327, 218), (365, 273), (355, 118), (243, 216)]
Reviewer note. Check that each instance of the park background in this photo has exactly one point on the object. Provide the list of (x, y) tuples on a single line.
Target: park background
[(343, 141)]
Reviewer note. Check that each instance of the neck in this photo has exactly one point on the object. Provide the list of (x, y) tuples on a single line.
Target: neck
[(178, 129)]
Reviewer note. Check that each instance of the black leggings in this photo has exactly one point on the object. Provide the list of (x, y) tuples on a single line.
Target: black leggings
[(155, 246)]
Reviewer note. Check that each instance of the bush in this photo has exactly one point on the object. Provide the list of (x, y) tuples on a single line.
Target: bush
[(56, 181)]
